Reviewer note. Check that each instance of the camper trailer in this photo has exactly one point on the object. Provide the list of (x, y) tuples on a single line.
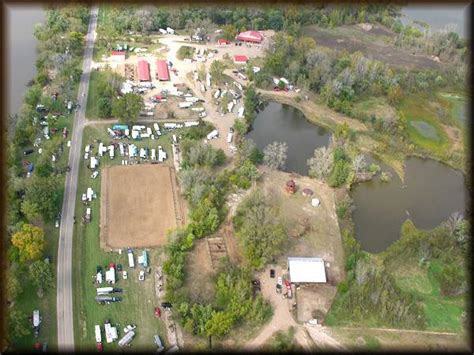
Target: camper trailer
[(213, 134), (131, 261), (111, 151), (110, 333), (98, 335), (104, 290), (229, 137), (185, 104), (127, 338)]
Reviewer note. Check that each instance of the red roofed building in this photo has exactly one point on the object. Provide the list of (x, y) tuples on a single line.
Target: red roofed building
[(143, 70), (162, 72), (223, 42), (240, 59), (117, 56), (250, 36)]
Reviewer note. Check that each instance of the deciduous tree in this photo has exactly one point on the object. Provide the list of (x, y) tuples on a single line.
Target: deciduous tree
[(275, 154), (30, 242)]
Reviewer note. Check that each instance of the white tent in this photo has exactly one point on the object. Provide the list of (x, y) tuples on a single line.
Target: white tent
[(306, 270)]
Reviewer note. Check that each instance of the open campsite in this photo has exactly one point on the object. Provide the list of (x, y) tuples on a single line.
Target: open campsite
[(138, 206), (148, 188)]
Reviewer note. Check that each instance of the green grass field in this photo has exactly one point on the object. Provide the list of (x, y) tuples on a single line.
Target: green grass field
[(92, 109), (139, 296), (443, 313), (423, 126)]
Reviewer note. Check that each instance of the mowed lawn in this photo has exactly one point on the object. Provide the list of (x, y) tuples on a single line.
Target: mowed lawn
[(139, 297)]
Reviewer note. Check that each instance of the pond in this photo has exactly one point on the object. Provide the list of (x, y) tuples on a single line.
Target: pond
[(432, 192), (284, 123)]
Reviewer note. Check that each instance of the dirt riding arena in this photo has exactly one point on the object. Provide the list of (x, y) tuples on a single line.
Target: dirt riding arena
[(139, 204)]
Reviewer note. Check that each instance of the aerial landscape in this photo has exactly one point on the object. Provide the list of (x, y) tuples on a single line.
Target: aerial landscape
[(291, 178)]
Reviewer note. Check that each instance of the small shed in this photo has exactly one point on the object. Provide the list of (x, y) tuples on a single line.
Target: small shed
[(291, 186), (223, 42), (307, 192), (118, 57), (306, 270), (240, 59)]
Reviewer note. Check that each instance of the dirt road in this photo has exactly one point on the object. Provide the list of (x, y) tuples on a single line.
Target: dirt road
[(64, 270)]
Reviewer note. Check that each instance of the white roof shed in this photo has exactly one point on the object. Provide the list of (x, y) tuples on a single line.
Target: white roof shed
[(306, 270)]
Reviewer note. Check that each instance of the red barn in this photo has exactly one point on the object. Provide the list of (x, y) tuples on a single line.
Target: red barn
[(240, 59), (143, 71), (162, 72), (250, 36)]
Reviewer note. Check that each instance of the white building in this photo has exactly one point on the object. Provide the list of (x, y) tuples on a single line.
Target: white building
[(306, 270)]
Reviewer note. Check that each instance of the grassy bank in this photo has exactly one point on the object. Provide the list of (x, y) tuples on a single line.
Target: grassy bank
[(404, 286)]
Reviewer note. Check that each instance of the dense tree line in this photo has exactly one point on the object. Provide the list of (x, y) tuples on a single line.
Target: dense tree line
[(237, 18)]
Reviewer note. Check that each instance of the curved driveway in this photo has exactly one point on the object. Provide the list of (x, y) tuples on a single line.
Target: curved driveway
[(64, 273)]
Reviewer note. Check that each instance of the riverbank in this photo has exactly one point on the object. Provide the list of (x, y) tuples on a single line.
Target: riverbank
[(42, 189)]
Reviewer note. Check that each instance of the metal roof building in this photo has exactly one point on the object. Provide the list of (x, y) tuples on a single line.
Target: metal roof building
[(162, 72), (143, 71), (240, 59), (250, 36), (306, 270)]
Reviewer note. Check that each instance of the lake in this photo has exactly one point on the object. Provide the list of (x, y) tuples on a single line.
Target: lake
[(433, 192), (284, 123), (439, 15), (21, 45)]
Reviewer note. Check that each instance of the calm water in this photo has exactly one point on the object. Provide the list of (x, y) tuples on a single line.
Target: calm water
[(283, 123), (21, 49), (433, 192), (439, 15)]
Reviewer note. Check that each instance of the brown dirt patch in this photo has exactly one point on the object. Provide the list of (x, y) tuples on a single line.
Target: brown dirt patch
[(200, 274), (353, 39), (314, 297), (139, 204), (455, 136)]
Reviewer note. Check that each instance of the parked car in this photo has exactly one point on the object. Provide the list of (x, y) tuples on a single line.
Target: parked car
[(124, 275), (119, 267), (129, 328), (280, 281), (141, 276), (157, 312), (56, 224), (94, 174), (272, 273), (166, 305)]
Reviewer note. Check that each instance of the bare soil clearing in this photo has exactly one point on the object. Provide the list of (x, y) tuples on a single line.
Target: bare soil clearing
[(138, 206), (371, 43)]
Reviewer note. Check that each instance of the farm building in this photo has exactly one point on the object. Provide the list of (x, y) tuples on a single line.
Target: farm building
[(118, 57), (240, 59), (143, 71), (162, 72), (306, 270), (223, 42), (250, 36)]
